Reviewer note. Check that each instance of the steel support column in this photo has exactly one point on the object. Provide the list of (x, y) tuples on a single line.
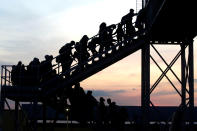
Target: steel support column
[(2, 96), (191, 83), (145, 81), (44, 116), (35, 103), (191, 75), (2, 103), (16, 116), (183, 77)]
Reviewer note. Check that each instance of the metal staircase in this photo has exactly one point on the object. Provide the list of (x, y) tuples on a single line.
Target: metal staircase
[(94, 64), (48, 92)]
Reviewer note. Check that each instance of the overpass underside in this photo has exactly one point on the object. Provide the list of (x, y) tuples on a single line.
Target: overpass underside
[(175, 20)]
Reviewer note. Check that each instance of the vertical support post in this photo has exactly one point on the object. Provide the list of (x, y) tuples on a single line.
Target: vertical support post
[(191, 83), (191, 75), (145, 81), (2, 97), (5, 77), (35, 104), (183, 78), (1, 76), (16, 116), (44, 116), (9, 78)]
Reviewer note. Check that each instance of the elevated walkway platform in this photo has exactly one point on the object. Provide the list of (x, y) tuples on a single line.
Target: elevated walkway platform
[(104, 60), (172, 20), (22, 94)]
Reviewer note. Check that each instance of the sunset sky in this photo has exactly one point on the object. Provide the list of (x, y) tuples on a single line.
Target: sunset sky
[(34, 28)]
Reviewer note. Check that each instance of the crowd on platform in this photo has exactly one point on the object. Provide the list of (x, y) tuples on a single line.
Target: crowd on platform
[(79, 52), (36, 73)]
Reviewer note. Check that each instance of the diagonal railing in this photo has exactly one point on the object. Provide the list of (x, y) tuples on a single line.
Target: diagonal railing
[(5, 80)]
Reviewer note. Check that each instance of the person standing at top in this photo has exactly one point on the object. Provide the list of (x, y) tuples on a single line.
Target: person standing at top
[(127, 20)]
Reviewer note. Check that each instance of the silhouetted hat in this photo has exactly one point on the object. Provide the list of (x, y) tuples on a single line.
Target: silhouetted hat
[(85, 37), (89, 92), (46, 57), (113, 103), (19, 63), (72, 43), (108, 100), (132, 10), (103, 24), (51, 57), (102, 99)]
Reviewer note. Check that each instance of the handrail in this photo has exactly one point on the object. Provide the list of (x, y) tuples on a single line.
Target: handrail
[(88, 60), (74, 48), (74, 66), (87, 49)]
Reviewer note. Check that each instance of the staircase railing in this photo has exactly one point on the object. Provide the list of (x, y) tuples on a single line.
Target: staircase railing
[(92, 57), (6, 75), (6, 69)]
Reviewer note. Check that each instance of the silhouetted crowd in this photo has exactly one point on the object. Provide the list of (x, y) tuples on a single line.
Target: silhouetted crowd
[(85, 108), (75, 57)]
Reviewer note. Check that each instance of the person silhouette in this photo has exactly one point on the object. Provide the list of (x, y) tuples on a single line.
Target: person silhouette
[(110, 41), (46, 68), (128, 21), (120, 33), (78, 103), (33, 70), (14, 75), (92, 45), (84, 52), (103, 35), (65, 58), (91, 104), (18, 73), (102, 110)]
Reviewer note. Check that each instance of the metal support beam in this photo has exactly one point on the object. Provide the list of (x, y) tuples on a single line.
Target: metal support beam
[(2, 98), (191, 82), (183, 77), (145, 80), (165, 72), (187, 75), (16, 116), (44, 116), (191, 75), (35, 103)]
